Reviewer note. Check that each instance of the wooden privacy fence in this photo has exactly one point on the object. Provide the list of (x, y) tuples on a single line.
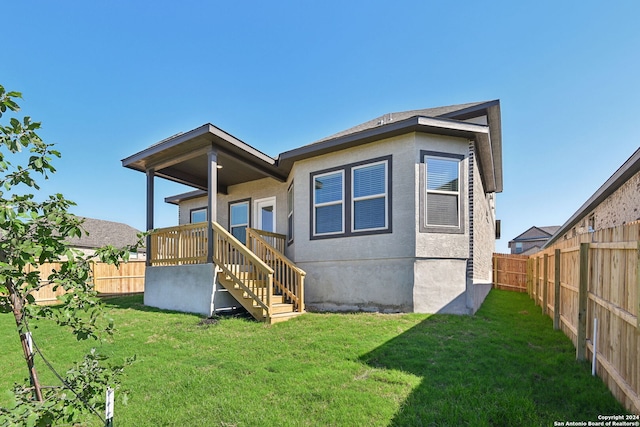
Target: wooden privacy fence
[(107, 279), (510, 272), (596, 276)]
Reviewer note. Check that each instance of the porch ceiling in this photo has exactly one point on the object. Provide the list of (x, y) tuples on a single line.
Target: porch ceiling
[(183, 158)]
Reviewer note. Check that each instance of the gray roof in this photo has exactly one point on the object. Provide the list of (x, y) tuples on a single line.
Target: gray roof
[(615, 181), (450, 120), (402, 115), (102, 233), (549, 231)]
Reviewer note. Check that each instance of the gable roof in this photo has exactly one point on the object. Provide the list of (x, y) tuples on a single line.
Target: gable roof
[(183, 157), (102, 233), (615, 181), (402, 115), (448, 120), (543, 233)]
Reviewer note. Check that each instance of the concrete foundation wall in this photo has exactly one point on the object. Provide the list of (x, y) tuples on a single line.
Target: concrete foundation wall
[(186, 288), (383, 285), (439, 286)]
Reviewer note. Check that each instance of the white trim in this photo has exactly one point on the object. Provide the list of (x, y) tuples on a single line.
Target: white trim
[(332, 203), (231, 224), (257, 218), (384, 195), (449, 193)]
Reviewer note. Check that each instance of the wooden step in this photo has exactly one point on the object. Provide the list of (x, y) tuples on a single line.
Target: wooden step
[(280, 311), (282, 317), (278, 308)]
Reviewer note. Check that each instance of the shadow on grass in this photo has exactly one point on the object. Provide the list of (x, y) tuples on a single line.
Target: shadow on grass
[(504, 366), (136, 302)]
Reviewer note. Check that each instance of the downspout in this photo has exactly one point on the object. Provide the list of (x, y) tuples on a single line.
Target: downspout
[(469, 290)]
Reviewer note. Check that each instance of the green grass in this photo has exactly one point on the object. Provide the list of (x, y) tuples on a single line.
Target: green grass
[(504, 366)]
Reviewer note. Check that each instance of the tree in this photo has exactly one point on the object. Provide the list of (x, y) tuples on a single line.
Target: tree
[(33, 232)]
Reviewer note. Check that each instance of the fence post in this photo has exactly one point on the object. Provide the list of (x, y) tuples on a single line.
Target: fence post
[(556, 300), (638, 287), (93, 276), (495, 271), (545, 284), (581, 341)]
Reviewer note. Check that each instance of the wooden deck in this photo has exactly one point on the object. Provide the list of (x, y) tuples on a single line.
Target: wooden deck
[(259, 276)]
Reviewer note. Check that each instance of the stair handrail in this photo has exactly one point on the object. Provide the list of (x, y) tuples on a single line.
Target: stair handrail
[(223, 259), (262, 248)]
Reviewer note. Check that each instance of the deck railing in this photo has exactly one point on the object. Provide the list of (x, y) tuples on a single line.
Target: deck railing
[(244, 267), (275, 240), (184, 244), (288, 279), (259, 268)]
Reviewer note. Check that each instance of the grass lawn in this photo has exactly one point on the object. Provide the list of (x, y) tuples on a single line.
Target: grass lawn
[(504, 366)]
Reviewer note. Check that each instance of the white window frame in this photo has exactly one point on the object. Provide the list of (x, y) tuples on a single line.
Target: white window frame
[(290, 208), (257, 207), (247, 224), (457, 193), (384, 196), (332, 203), (196, 210)]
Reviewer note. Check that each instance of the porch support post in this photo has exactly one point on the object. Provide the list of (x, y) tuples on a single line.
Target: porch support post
[(212, 192), (150, 196)]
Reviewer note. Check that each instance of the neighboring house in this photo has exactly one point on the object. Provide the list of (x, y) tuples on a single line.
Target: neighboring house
[(394, 215), (532, 240), (616, 202), (100, 233)]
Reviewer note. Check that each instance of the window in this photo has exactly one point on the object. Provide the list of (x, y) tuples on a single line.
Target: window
[(369, 191), (290, 214), (518, 247), (351, 200), (198, 215), (239, 220), (441, 202), (328, 211)]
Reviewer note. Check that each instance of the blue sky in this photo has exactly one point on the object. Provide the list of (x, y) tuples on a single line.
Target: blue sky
[(108, 79)]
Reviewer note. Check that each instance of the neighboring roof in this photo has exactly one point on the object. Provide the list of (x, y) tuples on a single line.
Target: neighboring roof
[(545, 233), (615, 181), (102, 233)]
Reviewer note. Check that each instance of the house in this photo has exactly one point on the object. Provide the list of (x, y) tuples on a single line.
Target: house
[(101, 233), (396, 214), (616, 202), (532, 240)]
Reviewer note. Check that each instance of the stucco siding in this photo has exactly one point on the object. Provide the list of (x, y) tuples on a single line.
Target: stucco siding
[(483, 230), (398, 244), (432, 244), (253, 190)]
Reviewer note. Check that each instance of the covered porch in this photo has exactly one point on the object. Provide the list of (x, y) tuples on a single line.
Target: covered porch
[(255, 272)]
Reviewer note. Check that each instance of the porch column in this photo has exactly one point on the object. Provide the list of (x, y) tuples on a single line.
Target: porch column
[(150, 196), (212, 192)]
